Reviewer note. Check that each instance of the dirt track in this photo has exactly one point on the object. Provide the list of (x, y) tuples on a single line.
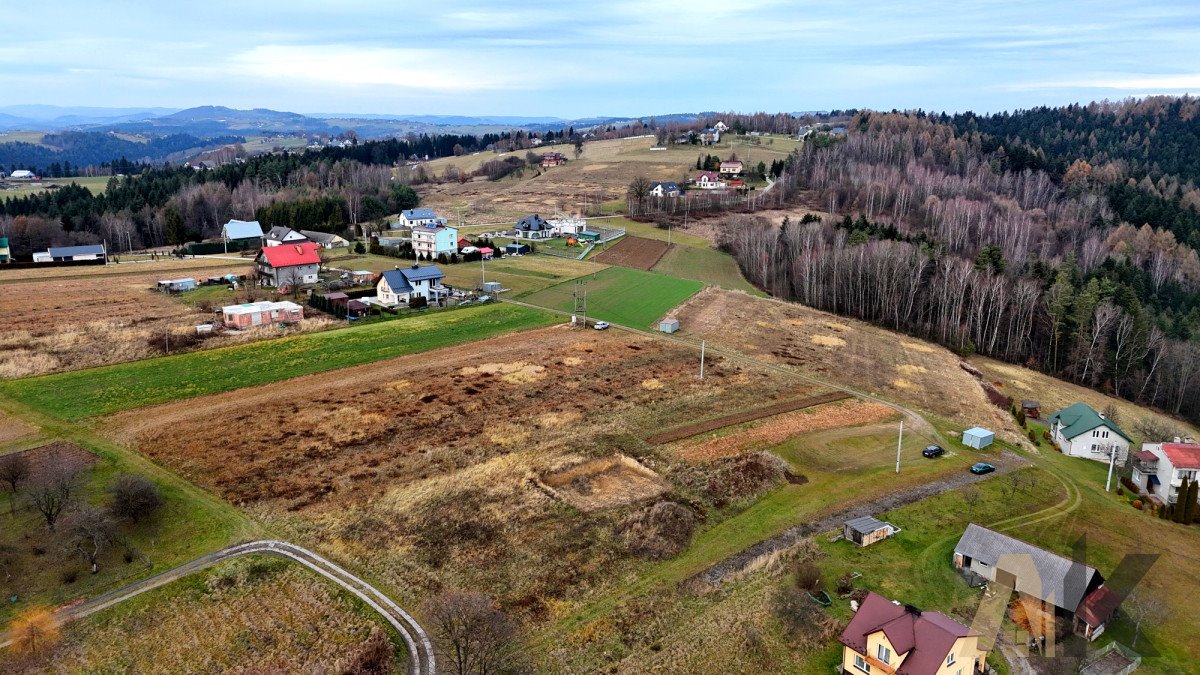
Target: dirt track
[(746, 416)]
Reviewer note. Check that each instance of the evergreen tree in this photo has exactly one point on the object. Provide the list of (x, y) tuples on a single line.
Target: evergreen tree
[(1191, 509), (1180, 508)]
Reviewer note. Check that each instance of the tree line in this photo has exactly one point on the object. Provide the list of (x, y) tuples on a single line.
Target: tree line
[(933, 236)]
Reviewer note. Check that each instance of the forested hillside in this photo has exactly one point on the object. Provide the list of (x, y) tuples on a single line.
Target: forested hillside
[(63, 153), (939, 233)]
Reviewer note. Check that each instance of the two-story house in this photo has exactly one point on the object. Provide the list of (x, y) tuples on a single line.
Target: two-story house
[(287, 266), (533, 227), (1159, 468), (414, 217), (1080, 431), (405, 283), (664, 189), (553, 159), (708, 180), (885, 637), (434, 240), (279, 235), (710, 136)]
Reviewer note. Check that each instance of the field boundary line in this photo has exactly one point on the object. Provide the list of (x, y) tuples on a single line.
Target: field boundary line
[(714, 424), (420, 649)]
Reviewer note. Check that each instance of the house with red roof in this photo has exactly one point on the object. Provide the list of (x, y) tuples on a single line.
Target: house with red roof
[(1159, 468), (288, 264), (886, 637)]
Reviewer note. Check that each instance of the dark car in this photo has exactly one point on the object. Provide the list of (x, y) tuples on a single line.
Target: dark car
[(932, 451), (981, 468)]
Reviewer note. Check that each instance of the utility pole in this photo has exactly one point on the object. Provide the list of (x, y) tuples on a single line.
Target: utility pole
[(899, 444), (1112, 460), (702, 359)]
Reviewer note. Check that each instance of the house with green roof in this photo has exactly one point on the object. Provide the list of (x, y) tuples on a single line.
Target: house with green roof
[(1080, 431), (5, 256)]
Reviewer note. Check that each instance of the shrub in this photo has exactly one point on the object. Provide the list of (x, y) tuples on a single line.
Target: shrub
[(659, 532), (418, 302), (1137, 504), (845, 584), (135, 497), (807, 576), (1033, 437), (1021, 418), (359, 248), (1120, 491)]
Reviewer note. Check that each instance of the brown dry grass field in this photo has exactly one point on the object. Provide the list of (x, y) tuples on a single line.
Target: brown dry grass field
[(1053, 394), (604, 483), (92, 320), (602, 174), (168, 268), (842, 350), (423, 469), (250, 615), (635, 252)]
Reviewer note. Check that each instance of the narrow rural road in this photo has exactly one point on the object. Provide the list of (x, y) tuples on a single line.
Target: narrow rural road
[(420, 649)]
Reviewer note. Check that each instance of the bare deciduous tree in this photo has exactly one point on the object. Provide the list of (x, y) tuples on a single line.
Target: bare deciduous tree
[(1142, 607), (51, 491), (89, 532), (14, 469), (472, 635), (135, 497)]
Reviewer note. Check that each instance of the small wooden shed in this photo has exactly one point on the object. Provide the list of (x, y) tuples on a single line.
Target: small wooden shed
[(1031, 408), (866, 530)]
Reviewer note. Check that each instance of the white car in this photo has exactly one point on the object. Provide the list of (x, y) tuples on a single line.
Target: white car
[(601, 325)]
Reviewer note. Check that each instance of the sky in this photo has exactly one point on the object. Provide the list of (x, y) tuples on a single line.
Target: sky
[(573, 60)]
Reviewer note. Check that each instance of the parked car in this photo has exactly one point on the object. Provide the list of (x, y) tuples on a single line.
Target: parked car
[(980, 468), (601, 325), (932, 451)]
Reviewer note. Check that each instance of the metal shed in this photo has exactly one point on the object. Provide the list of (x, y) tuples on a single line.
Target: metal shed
[(866, 530), (978, 438), (668, 325), (491, 287), (177, 285)]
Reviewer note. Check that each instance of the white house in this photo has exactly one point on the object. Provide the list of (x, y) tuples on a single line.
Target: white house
[(710, 136), (1080, 431), (405, 283), (567, 226), (1159, 468), (664, 189), (23, 174), (414, 217), (709, 180), (280, 235), (533, 227), (721, 127)]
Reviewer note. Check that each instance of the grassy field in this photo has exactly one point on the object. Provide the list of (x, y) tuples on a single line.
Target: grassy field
[(253, 614), (621, 295), (97, 185), (101, 391), (707, 265)]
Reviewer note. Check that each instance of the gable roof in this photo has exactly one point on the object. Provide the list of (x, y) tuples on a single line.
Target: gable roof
[(321, 237), (419, 214), (1039, 573), (243, 229), (866, 524), (710, 175), (280, 233), (732, 162), (926, 637), (1182, 455), (290, 255), (400, 280), (1099, 606), (1079, 418), (533, 223), (667, 186), (68, 251)]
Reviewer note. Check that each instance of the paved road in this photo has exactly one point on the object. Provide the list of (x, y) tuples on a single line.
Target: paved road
[(420, 649)]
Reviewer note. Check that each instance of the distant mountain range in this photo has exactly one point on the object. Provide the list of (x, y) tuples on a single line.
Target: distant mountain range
[(210, 121)]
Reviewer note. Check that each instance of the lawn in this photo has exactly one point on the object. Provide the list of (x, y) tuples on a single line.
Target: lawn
[(707, 265), (96, 184), (102, 391), (621, 295)]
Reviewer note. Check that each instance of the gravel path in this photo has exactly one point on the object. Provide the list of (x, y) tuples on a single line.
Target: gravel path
[(739, 563), (420, 649)]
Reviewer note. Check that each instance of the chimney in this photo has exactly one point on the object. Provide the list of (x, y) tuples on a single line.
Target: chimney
[(915, 611)]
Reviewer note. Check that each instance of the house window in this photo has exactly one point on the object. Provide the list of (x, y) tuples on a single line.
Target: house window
[(861, 663), (950, 659), (885, 654)]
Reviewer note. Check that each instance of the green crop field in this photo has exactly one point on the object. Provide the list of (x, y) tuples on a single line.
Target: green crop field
[(102, 391), (707, 265), (96, 184), (621, 295)]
